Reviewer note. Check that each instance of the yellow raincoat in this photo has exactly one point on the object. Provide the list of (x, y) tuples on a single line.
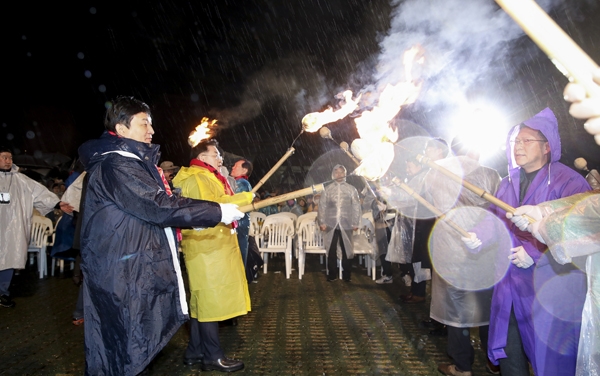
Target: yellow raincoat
[(218, 285)]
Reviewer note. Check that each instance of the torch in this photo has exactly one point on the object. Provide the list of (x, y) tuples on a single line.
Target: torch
[(262, 181), (312, 190), (473, 188), (566, 55), (429, 206)]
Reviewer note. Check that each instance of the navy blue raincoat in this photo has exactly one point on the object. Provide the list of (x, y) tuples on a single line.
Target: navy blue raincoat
[(134, 299)]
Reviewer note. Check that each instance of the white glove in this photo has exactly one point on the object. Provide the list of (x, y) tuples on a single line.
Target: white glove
[(230, 213), (534, 228), (520, 258), (472, 242), (381, 206), (533, 211), (585, 108)]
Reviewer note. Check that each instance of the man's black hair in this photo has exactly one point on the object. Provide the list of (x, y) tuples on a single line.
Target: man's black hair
[(203, 147), (122, 110)]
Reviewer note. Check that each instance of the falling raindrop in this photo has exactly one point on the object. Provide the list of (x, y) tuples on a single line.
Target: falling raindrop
[(195, 97), (80, 55), (93, 10), (87, 73), (30, 135), (102, 89), (10, 136), (23, 37)]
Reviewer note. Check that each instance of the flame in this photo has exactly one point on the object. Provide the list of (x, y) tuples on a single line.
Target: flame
[(202, 131), (315, 120), (373, 126)]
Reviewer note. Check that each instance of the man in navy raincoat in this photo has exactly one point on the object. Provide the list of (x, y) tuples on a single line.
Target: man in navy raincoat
[(134, 298)]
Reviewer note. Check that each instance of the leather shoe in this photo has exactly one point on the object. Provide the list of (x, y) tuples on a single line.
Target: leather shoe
[(451, 370), (222, 365), (440, 332), (491, 368), (192, 361), (410, 298)]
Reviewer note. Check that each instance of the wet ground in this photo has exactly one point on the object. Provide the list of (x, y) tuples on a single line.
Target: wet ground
[(296, 327)]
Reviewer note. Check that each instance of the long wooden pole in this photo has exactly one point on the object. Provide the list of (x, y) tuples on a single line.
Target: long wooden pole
[(312, 190), (568, 57), (262, 181), (429, 206), (473, 188)]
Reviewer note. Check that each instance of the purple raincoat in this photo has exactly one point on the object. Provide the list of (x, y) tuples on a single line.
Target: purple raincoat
[(547, 297)]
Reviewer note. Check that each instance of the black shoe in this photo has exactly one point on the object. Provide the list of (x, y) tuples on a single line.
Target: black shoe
[(223, 365), (331, 279), (430, 324), (348, 280), (440, 332), (228, 322), (192, 361), (6, 301)]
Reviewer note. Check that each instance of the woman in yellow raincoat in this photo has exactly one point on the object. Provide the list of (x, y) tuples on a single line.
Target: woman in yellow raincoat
[(218, 285)]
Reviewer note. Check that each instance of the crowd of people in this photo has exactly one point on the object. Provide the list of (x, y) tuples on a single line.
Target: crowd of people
[(131, 217)]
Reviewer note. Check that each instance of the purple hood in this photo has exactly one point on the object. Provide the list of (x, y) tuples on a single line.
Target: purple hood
[(545, 122)]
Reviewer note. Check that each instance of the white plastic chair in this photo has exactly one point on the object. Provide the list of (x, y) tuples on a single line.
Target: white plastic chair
[(276, 237), (310, 241), (41, 228), (289, 215), (256, 221), (312, 216), (364, 245)]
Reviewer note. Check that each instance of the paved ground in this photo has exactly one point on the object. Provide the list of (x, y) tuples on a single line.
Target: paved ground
[(296, 327)]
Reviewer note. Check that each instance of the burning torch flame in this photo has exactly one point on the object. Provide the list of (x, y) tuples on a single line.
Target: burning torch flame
[(315, 120), (202, 131), (375, 147)]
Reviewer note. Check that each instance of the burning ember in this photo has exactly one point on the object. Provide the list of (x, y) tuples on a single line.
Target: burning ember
[(315, 120), (375, 146), (202, 131)]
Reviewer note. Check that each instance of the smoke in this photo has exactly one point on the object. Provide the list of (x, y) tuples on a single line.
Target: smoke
[(464, 41), (292, 81)]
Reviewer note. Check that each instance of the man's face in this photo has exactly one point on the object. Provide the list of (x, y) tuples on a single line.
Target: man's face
[(212, 157), (169, 175), (238, 170), (5, 160), (433, 153), (338, 174), (140, 128), (412, 168), (533, 154)]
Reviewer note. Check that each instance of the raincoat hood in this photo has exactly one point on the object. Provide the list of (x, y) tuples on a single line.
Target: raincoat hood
[(91, 152), (340, 167), (545, 122)]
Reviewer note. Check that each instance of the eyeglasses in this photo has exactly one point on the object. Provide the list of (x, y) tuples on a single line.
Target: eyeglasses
[(216, 156), (525, 142)]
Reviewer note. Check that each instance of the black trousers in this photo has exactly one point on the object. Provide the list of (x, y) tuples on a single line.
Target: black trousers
[(204, 341), (459, 346), (332, 257)]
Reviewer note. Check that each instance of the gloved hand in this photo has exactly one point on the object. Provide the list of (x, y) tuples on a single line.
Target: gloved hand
[(520, 258), (533, 211), (585, 108), (230, 213), (472, 242), (381, 206), (534, 228)]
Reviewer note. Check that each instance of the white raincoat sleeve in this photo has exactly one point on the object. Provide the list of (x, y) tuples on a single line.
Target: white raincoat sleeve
[(15, 217), (572, 230), (73, 194)]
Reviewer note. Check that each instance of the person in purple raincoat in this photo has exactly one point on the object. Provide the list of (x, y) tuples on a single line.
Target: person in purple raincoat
[(536, 307)]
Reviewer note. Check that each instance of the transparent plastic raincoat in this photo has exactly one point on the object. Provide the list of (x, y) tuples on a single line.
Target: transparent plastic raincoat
[(340, 207), (547, 297), (15, 216), (573, 230), (453, 301)]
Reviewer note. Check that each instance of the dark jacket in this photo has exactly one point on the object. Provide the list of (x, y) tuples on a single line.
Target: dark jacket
[(134, 300)]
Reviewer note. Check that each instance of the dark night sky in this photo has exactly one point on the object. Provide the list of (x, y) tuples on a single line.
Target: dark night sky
[(259, 65)]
